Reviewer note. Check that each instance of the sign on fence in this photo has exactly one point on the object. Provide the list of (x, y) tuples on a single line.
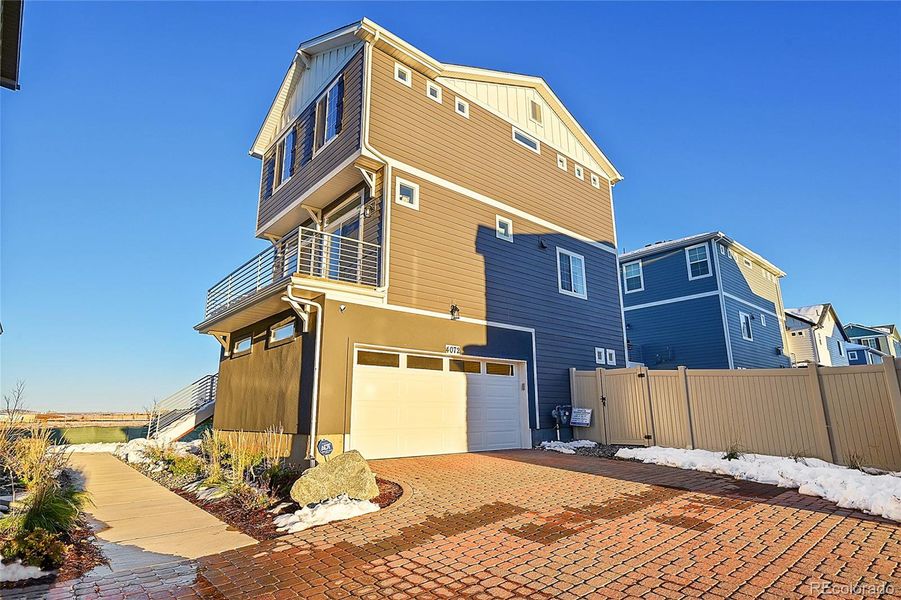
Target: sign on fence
[(581, 417)]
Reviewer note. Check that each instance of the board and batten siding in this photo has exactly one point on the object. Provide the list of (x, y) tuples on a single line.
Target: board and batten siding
[(478, 153), (447, 252), (310, 167)]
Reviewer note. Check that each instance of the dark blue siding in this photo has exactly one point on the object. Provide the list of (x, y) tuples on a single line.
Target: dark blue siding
[(761, 352), (522, 289), (666, 276), (687, 333), (861, 357)]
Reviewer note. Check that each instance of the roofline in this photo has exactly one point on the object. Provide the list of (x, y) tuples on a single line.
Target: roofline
[(873, 328), (694, 239), (798, 317)]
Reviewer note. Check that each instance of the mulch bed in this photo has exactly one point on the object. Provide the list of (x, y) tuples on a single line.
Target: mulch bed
[(389, 492)]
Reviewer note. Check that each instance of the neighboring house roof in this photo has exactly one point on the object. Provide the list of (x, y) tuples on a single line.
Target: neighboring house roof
[(856, 347), (381, 37), (889, 330), (10, 43), (697, 239), (816, 314)]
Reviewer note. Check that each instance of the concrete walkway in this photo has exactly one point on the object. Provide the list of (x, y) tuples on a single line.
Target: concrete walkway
[(140, 523)]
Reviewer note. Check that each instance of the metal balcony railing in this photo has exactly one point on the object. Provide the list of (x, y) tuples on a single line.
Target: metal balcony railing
[(305, 251), (185, 401)]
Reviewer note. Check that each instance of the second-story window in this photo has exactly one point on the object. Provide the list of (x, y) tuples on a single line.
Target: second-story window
[(746, 331), (698, 261), (526, 140), (329, 113), (571, 274), (286, 156), (633, 278)]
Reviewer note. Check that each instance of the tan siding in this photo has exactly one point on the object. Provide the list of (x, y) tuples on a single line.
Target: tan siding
[(479, 153)]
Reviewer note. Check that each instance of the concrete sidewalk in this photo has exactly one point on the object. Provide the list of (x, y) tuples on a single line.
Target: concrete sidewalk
[(140, 523)]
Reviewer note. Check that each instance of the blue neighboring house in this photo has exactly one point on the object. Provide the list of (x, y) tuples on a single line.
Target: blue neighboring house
[(879, 341), (703, 302)]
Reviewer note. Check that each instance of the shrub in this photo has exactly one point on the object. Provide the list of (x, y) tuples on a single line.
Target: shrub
[(36, 548), (733, 452), (213, 448), (48, 506), (855, 460), (158, 453), (244, 453), (31, 462), (185, 465)]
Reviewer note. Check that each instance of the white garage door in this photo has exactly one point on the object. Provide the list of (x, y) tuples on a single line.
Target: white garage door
[(406, 404)]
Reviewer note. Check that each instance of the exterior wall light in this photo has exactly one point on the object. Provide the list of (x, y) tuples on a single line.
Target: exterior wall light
[(454, 312)]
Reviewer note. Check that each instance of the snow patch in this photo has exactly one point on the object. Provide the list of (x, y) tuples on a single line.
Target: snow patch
[(16, 571), (848, 488), (131, 451), (335, 509), (567, 447)]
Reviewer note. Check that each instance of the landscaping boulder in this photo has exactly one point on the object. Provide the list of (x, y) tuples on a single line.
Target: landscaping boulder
[(346, 473)]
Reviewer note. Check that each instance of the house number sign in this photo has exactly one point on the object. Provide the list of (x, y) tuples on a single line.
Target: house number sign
[(453, 349)]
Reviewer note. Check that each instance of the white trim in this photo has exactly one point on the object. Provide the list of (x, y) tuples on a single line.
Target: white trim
[(579, 171), (611, 357), (497, 228), (458, 101), (671, 300), (600, 356), (540, 120), (741, 323), (640, 288), (398, 68), (431, 85), (850, 357), (707, 259), (619, 282), (763, 319), (760, 308), (496, 204), (399, 181), (723, 316), (595, 180), (523, 134), (560, 288), (561, 162)]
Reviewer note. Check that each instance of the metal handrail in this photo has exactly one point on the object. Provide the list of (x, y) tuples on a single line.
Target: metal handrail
[(185, 401), (306, 251)]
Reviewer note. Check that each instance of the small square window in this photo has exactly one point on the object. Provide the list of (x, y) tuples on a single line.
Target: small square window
[(852, 355), (611, 357), (407, 193), (561, 161), (595, 181), (504, 228), (748, 263), (600, 356), (535, 112), (729, 252), (762, 320), (433, 91), (526, 140), (243, 345), (722, 249), (579, 172), (462, 107), (403, 74)]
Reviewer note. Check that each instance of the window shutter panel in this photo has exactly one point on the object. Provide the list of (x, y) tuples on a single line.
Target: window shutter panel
[(339, 108), (268, 176), (307, 140)]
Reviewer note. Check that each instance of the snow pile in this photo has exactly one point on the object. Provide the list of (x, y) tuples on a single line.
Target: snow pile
[(16, 571), (206, 492), (132, 451), (848, 488), (335, 509), (567, 447), (93, 448)]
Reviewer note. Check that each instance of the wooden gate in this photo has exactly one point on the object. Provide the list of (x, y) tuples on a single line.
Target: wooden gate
[(619, 403)]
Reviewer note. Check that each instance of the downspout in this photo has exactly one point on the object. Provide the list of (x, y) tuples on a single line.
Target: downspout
[(314, 406)]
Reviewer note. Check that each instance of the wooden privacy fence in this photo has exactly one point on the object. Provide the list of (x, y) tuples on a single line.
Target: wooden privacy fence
[(840, 414)]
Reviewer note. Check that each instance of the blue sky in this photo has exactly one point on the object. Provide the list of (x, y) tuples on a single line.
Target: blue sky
[(127, 189)]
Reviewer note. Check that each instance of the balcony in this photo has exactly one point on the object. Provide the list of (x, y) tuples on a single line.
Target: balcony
[(304, 252)]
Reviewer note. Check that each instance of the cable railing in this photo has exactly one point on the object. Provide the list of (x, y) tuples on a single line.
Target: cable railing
[(185, 401), (305, 251)]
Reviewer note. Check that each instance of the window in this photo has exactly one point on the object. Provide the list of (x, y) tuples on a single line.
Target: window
[(611, 357), (722, 249), (600, 356), (407, 193), (281, 332), (526, 140), (729, 252), (403, 74), (433, 91), (499, 369), (457, 365), (243, 345), (428, 363), (504, 228), (633, 278), (286, 156), (762, 320), (748, 263), (462, 107), (841, 348), (595, 181), (329, 109), (378, 359), (571, 274), (871, 342), (852, 355), (579, 172), (561, 161), (746, 331), (698, 262), (535, 111)]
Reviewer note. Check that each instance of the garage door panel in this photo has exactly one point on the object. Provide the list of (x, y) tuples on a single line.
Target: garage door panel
[(412, 412)]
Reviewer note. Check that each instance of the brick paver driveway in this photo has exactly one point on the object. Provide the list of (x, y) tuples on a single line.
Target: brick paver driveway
[(539, 524)]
